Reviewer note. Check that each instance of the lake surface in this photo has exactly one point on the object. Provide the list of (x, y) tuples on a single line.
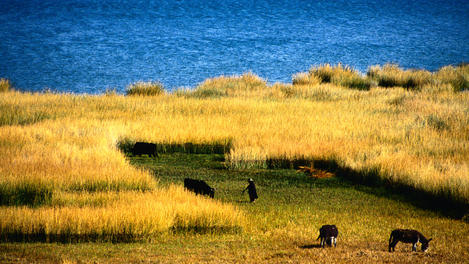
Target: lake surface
[(87, 46)]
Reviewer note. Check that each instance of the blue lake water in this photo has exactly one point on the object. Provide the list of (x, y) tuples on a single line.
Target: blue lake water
[(87, 46)]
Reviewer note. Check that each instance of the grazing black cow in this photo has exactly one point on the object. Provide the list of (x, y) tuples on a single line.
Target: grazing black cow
[(199, 187), (141, 148), (328, 234), (408, 236)]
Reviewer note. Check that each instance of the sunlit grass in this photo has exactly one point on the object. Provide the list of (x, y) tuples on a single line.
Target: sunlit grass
[(145, 89), (340, 75), (124, 216), (5, 85), (414, 138), (457, 77), (57, 166), (57, 147), (246, 84), (390, 75)]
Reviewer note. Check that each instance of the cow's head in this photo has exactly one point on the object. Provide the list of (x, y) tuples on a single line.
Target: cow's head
[(425, 245)]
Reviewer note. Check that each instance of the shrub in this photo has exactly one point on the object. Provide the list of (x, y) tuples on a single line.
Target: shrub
[(145, 88), (5, 85)]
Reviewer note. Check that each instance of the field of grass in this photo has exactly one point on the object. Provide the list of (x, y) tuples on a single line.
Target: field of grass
[(283, 224), (400, 155)]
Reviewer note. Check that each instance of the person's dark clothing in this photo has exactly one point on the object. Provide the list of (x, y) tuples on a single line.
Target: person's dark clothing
[(252, 191)]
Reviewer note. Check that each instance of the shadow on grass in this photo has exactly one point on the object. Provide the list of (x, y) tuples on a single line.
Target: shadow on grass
[(206, 230), (67, 238), (219, 147), (310, 246), (442, 202), (25, 193)]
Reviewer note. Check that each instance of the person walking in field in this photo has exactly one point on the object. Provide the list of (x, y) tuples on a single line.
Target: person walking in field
[(251, 190)]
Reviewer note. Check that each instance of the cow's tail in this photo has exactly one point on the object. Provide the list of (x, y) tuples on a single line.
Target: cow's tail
[(391, 238)]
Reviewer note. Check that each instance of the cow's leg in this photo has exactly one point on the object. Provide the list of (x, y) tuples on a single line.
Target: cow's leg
[(335, 241), (323, 241), (414, 246), (392, 245)]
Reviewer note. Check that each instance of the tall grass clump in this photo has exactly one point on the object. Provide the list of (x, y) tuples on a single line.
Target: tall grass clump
[(340, 75), (145, 89), (304, 78), (5, 85), (391, 75), (247, 84), (457, 77)]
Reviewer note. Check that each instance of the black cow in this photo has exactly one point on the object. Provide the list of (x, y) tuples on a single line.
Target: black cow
[(141, 148), (199, 187), (328, 234), (408, 236)]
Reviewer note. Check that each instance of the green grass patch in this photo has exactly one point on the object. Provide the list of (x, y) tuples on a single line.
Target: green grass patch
[(25, 193)]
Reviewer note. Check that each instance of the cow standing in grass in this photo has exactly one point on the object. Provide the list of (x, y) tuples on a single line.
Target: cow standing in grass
[(328, 234), (408, 236), (141, 148), (199, 187)]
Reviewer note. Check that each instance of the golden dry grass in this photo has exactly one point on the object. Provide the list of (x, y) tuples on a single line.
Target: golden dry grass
[(448, 78), (414, 138), (61, 162), (143, 89), (118, 216), (64, 143), (5, 85)]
